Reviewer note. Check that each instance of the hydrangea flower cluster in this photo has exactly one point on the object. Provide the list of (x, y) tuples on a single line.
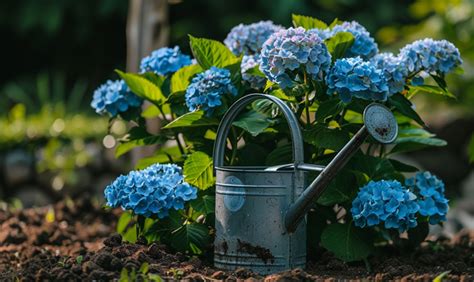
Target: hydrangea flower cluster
[(354, 77), (165, 61), (114, 97), (431, 199), (288, 50), (152, 191), (248, 39), (394, 70), (431, 56), (385, 202), (249, 62), (364, 45), (207, 88)]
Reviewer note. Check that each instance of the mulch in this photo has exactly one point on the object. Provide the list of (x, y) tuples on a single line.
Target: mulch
[(75, 241)]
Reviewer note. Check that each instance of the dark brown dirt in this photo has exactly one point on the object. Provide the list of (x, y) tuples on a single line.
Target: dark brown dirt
[(75, 241)]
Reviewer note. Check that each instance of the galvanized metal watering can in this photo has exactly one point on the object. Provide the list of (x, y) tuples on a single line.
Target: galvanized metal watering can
[(260, 211)]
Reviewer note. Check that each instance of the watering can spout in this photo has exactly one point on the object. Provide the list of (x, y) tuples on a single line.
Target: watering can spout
[(380, 124)]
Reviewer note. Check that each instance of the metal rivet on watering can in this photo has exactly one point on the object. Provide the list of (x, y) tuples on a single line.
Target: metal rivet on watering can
[(259, 210)]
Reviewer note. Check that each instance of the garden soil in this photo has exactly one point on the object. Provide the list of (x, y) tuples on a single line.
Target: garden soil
[(75, 241)]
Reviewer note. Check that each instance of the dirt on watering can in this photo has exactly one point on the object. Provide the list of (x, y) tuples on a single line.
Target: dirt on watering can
[(262, 253)]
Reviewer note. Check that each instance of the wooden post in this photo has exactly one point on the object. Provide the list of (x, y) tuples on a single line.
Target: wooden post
[(147, 30)]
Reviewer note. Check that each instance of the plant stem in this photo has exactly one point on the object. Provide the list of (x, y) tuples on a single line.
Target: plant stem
[(234, 140), (180, 146), (306, 102)]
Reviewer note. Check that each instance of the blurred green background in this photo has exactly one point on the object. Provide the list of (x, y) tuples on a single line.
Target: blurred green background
[(56, 52)]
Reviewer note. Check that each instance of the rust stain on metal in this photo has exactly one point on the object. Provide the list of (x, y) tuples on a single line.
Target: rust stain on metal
[(262, 253), (225, 247)]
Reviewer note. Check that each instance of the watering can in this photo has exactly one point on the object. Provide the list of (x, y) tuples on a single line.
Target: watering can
[(260, 211)]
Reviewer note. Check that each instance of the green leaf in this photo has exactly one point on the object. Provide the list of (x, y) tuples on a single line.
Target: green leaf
[(347, 242), (307, 22), (409, 144), (198, 170), (163, 155), (441, 277), (256, 72), (430, 89), (329, 108), (123, 221), (193, 236), (125, 147), (375, 168), (418, 234), (151, 111), (181, 79), (404, 106), (430, 141), (210, 53), (327, 138), (253, 122), (205, 204), (281, 155), (192, 119), (339, 43), (340, 190), (144, 268), (402, 167), (143, 88), (471, 149)]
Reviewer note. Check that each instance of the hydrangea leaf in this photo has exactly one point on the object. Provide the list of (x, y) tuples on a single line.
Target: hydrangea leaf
[(192, 119), (329, 108), (210, 53), (418, 234), (253, 122), (125, 147), (404, 106), (471, 149), (375, 168), (409, 144), (281, 155), (339, 43), (194, 237), (402, 167), (340, 190), (151, 112), (327, 138), (143, 88), (181, 79), (256, 71), (205, 204), (163, 155), (307, 22), (198, 170), (430, 89), (346, 242)]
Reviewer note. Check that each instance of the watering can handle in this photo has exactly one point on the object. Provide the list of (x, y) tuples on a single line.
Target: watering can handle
[(234, 110)]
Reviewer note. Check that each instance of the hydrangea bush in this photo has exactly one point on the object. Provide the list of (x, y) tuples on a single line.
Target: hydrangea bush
[(328, 74)]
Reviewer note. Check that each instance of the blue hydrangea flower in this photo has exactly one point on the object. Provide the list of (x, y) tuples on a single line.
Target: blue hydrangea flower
[(165, 61), (431, 56), (385, 201), (114, 97), (322, 33), (152, 191), (249, 62), (354, 77), (290, 50), (430, 191), (207, 89), (394, 70), (248, 39), (364, 45)]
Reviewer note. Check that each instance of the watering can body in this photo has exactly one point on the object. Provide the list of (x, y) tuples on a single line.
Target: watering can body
[(261, 211), (251, 204)]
